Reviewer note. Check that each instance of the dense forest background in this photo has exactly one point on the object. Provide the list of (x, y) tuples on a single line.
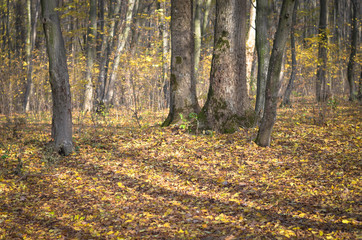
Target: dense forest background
[(141, 82)]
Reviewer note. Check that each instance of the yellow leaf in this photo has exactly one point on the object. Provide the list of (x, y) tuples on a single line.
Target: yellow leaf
[(167, 225), (120, 185), (345, 221), (321, 233), (204, 225)]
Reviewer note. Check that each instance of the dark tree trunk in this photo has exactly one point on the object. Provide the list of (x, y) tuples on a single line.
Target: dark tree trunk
[(59, 79), (273, 83), (227, 106), (263, 12), (321, 86), (354, 47), (91, 54), (288, 91), (183, 99)]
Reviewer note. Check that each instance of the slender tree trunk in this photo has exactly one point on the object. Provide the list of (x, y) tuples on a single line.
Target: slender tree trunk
[(197, 30), (30, 41), (288, 91), (183, 99), (91, 54), (227, 106), (263, 12), (273, 83), (122, 39), (250, 43), (321, 86), (354, 47), (107, 45), (59, 79)]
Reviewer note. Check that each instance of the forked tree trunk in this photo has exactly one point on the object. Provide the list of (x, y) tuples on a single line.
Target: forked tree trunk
[(121, 43), (183, 99), (59, 79), (227, 106), (91, 54), (273, 81)]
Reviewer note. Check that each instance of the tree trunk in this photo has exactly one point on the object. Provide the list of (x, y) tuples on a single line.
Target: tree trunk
[(91, 54), (227, 106), (321, 86), (288, 91), (59, 79), (273, 83), (197, 30), (183, 99), (121, 43), (354, 47), (30, 41), (250, 44), (263, 12)]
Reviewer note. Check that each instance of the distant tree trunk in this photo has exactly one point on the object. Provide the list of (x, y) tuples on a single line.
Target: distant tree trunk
[(205, 21), (165, 51), (30, 41), (91, 54), (321, 86), (121, 43), (227, 106), (250, 43), (288, 91), (273, 83), (263, 12), (59, 79), (106, 47), (197, 30), (183, 99), (354, 47)]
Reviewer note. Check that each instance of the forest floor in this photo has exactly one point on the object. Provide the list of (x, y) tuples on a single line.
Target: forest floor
[(129, 182)]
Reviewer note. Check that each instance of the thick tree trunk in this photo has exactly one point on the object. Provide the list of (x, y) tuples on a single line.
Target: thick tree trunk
[(273, 83), (183, 99), (288, 91), (59, 79), (30, 41), (121, 43), (91, 54), (354, 47), (227, 106), (263, 12), (321, 86)]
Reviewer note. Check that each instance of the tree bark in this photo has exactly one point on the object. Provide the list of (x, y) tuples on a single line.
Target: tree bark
[(321, 86), (91, 54), (59, 79), (288, 91), (183, 99), (354, 47), (273, 83), (227, 106), (263, 12)]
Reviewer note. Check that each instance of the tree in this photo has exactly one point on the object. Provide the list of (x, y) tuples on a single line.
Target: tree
[(227, 106), (183, 99), (30, 41), (321, 86), (121, 43), (59, 79), (354, 47), (91, 54), (273, 83), (263, 11), (288, 91)]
